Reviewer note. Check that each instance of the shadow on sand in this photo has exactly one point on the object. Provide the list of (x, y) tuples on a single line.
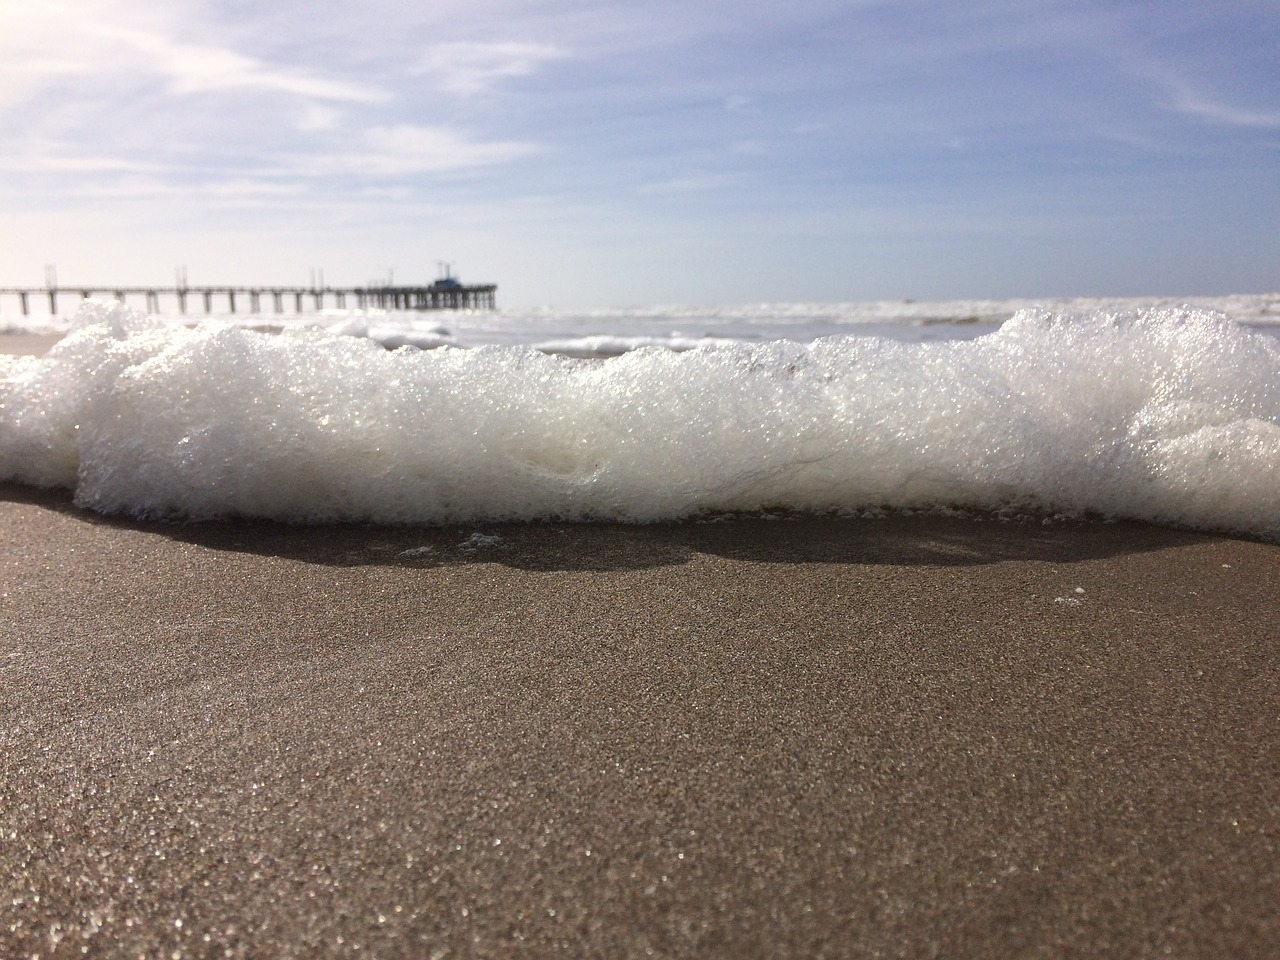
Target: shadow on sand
[(904, 540)]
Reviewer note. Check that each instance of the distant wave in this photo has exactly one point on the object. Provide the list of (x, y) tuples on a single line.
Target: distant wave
[(608, 332)]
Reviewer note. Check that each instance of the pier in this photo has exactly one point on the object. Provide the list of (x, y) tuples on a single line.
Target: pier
[(441, 295)]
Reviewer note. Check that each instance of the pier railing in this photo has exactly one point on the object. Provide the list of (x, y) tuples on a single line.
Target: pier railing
[(431, 297)]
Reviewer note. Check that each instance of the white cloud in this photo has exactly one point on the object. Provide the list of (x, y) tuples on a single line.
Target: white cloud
[(316, 117), (53, 41), (250, 188), (471, 68), (407, 149), (197, 69)]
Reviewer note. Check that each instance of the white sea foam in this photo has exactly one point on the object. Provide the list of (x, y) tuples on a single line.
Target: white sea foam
[(1165, 414)]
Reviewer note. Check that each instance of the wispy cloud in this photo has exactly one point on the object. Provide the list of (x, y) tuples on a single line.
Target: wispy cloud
[(37, 155), (239, 192), (1178, 95), (52, 41), (316, 117), (1192, 104), (690, 184), (195, 69), (407, 149), (473, 68)]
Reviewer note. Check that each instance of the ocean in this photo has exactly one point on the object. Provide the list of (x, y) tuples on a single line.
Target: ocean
[(1158, 410)]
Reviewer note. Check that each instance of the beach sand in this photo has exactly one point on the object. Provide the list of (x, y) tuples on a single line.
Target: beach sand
[(27, 344), (908, 737)]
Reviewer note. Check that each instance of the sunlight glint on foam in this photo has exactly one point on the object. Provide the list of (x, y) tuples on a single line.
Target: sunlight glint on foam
[(1166, 415)]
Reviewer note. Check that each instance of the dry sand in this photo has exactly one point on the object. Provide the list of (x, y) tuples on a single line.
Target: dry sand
[(908, 737)]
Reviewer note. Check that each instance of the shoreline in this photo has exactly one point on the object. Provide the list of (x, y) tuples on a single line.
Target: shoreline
[(906, 736)]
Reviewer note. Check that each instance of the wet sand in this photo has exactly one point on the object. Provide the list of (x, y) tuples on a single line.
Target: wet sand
[(27, 344), (901, 738)]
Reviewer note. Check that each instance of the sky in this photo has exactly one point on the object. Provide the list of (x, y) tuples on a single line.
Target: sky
[(601, 153)]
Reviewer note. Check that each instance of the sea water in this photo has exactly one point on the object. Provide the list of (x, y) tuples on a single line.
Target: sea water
[(1148, 411), (610, 332)]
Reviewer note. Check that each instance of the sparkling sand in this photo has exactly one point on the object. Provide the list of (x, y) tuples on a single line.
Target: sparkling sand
[(909, 737)]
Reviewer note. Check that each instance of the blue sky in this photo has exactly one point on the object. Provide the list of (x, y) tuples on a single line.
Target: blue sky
[(610, 153)]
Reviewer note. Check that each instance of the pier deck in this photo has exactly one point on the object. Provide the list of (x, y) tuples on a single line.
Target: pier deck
[(428, 297)]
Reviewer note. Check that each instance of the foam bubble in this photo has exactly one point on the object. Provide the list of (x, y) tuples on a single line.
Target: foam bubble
[(1166, 415)]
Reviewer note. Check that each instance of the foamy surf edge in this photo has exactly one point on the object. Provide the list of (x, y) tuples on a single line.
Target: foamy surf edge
[(1167, 415)]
